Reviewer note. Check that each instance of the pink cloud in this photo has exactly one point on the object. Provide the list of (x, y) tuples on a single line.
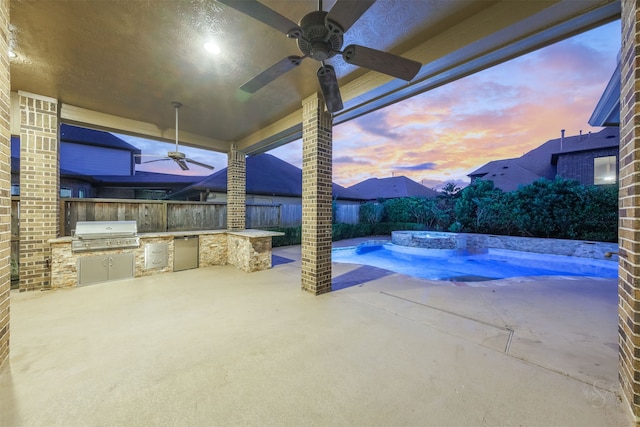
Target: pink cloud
[(500, 113)]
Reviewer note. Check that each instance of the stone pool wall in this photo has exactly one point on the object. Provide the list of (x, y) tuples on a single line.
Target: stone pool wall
[(478, 242)]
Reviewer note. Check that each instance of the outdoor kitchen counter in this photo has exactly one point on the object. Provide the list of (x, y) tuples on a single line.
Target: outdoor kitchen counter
[(248, 250)]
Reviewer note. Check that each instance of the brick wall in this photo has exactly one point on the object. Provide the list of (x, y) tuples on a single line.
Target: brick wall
[(579, 166), (316, 196), (39, 182), (629, 204), (236, 190), (5, 185)]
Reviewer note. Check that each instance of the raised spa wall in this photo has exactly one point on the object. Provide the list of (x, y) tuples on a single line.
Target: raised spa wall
[(248, 250), (480, 242)]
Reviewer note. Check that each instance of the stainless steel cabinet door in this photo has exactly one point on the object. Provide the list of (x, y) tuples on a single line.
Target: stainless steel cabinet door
[(185, 253), (102, 268), (92, 269), (121, 266)]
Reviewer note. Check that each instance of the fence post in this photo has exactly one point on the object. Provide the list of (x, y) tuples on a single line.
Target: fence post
[(63, 217), (165, 216)]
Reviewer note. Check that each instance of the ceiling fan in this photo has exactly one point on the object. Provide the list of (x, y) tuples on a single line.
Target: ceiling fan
[(319, 36), (180, 158)]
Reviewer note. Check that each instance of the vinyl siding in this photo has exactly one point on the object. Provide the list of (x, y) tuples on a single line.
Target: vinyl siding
[(92, 160)]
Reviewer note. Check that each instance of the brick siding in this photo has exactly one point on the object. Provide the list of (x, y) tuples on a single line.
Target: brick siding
[(5, 186), (629, 205), (39, 182), (316, 196), (579, 166), (236, 190)]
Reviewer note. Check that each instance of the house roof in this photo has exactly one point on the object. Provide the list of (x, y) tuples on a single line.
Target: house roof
[(390, 188), (509, 174), (506, 175), (266, 175), (491, 167), (607, 111), (607, 138)]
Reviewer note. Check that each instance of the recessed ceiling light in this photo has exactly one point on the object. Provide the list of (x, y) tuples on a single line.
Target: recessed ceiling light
[(211, 47), (12, 54)]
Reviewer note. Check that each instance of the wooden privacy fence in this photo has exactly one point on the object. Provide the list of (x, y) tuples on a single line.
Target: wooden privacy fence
[(150, 215), (159, 215)]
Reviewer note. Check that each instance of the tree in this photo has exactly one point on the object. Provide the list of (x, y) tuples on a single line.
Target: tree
[(548, 208), (474, 206)]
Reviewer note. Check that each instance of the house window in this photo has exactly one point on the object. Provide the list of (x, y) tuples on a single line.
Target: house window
[(604, 170), (81, 193), (65, 192), (15, 190)]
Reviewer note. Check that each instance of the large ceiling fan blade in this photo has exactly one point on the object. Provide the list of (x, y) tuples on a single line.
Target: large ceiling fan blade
[(268, 16), (383, 62), (271, 73), (157, 160), (347, 12), (182, 164), (330, 89), (204, 165)]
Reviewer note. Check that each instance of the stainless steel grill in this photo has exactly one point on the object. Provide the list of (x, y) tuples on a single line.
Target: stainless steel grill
[(100, 235)]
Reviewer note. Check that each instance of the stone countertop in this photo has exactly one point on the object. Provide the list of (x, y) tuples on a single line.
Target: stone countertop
[(255, 233), (179, 233), (243, 233)]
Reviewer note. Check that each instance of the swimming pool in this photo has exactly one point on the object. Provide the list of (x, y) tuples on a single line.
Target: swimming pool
[(456, 265)]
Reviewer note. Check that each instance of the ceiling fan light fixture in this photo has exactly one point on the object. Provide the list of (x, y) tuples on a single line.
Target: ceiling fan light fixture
[(212, 47)]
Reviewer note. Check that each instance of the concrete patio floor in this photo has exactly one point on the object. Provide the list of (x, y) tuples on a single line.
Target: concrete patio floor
[(217, 346)]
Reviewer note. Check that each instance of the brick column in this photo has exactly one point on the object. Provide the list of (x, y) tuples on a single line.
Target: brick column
[(629, 204), (5, 184), (39, 188), (236, 189), (316, 196)]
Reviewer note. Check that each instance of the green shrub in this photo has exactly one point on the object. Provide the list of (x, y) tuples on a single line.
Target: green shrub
[(371, 212), (293, 235)]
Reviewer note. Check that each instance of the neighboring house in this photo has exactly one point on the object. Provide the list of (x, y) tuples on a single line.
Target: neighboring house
[(274, 182), (98, 164), (391, 188), (92, 152), (269, 180), (590, 159)]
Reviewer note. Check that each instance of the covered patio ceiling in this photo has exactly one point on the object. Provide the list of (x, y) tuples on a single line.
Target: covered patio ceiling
[(117, 64)]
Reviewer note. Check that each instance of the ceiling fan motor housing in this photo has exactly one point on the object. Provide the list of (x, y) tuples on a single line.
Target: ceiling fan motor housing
[(319, 40)]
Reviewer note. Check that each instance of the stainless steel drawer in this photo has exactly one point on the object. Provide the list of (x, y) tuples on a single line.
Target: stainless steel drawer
[(156, 255)]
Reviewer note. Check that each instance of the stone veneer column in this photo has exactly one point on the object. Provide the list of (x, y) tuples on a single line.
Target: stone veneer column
[(5, 184), (39, 188), (316, 196), (236, 189), (629, 204)]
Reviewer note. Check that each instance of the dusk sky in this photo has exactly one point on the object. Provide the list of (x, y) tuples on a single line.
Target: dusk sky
[(442, 135)]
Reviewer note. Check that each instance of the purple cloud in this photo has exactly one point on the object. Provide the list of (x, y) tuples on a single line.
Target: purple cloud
[(350, 160), (421, 167)]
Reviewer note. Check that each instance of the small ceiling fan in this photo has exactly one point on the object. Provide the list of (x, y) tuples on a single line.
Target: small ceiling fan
[(180, 158), (320, 36)]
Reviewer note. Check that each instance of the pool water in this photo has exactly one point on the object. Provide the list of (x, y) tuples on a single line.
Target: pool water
[(445, 264)]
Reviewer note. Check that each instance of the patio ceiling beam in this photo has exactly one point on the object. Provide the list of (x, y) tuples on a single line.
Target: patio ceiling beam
[(78, 116), (460, 50)]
